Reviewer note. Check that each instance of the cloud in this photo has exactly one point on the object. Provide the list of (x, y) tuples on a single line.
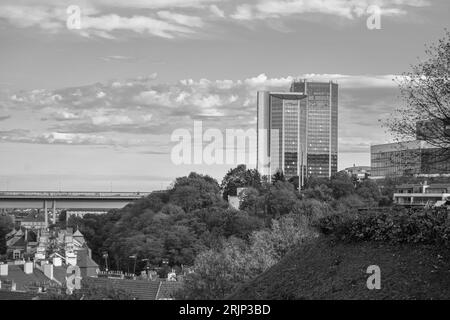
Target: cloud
[(52, 18), (2, 118), (182, 19), (348, 9), (170, 19), (117, 58), (143, 112), (217, 11)]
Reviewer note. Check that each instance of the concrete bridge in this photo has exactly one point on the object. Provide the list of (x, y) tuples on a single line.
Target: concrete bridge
[(66, 200)]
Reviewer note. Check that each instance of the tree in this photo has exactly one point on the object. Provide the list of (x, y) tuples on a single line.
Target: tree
[(319, 192), (6, 225), (426, 94), (219, 271), (281, 198), (311, 208), (240, 177), (251, 201), (194, 192), (342, 185), (349, 203), (369, 191), (278, 176)]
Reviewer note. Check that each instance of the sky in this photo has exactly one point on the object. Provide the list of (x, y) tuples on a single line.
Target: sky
[(94, 107)]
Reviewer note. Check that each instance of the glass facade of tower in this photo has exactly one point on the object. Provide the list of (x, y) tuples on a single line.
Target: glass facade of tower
[(302, 130), (280, 115), (408, 158), (322, 126)]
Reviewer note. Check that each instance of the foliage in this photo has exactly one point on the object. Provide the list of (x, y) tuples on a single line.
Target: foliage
[(312, 209), (6, 225), (174, 225), (194, 192), (392, 226), (278, 177), (281, 198), (221, 270), (426, 94), (240, 177)]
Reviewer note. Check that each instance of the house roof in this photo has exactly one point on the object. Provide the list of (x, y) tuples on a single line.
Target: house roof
[(84, 261), (439, 186), (17, 242), (138, 289), (34, 217), (60, 273), (23, 280), (17, 295), (168, 289), (78, 234)]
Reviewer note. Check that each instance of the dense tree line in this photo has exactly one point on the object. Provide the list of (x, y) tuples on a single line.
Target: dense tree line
[(192, 216), (192, 224)]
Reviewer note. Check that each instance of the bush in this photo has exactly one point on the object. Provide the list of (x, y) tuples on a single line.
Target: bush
[(393, 226)]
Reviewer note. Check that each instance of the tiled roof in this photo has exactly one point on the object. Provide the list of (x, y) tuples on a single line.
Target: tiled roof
[(17, 242), (17, 295), (439, 186), (22, 280), (139, 289), (34, 217), (84, 261), (60, 273), (168, 289), (78, 234)]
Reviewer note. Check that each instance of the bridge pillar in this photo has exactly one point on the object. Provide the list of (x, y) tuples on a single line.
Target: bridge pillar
[(45, 214), (54, 211)]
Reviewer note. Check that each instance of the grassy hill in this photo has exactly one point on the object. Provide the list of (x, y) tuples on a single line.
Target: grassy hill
[(326, 269)]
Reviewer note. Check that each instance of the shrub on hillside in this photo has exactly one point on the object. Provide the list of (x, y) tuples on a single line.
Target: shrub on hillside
[(396, 226)]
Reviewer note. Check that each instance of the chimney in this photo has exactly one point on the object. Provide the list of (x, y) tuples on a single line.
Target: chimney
[(28, 267), (3, 269), (57, 262), (48, 270)]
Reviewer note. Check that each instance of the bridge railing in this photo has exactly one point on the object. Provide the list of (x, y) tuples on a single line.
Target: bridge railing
[(71, 194)]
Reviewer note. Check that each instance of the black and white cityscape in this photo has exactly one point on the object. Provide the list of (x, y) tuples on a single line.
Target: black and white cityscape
[(199, 150)]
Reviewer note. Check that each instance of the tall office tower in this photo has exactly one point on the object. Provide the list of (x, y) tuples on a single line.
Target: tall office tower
[(297, 130), (281, 128), (322, 126)]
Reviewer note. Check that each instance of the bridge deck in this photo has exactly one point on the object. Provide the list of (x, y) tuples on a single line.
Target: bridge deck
[(47, 195)]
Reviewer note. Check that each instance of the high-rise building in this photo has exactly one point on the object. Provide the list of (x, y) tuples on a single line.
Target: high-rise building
[(281, 130), (322, 126), (297, 130)]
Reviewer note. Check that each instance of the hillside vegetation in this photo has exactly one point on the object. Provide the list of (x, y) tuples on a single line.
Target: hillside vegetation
[(326, 268)]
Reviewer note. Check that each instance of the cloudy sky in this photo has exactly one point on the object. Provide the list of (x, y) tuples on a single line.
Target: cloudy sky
[(93, 108)]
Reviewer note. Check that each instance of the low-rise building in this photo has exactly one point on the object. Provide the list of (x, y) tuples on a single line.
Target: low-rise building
[(422, 195), (410, 158), (358, 172)]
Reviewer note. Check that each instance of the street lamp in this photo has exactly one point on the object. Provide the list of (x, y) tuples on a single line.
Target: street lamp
[(105, 256)]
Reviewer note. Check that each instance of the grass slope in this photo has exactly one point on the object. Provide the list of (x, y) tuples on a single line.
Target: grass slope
[(325, 269)]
